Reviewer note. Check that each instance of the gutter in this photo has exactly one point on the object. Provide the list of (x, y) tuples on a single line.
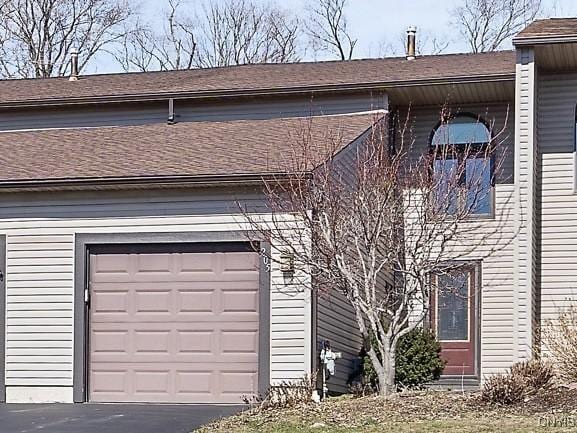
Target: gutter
[(142, 182), (244, 93)]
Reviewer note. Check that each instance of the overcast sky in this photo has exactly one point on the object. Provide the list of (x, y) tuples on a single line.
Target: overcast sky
[(379, 25)]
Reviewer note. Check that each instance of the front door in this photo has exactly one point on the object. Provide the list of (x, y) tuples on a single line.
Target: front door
[(454, 319)]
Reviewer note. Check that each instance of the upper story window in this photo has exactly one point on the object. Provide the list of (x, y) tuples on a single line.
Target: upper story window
[(463, 165)]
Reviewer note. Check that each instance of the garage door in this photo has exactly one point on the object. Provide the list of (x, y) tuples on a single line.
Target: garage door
[(173, 326)]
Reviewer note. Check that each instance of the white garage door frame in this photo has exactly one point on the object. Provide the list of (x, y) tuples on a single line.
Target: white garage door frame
[(83, 243), (2, 318)]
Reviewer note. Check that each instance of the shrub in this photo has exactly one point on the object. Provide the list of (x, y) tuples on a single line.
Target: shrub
[(504, 389), (418, 360), (560, 341), (292, 393), (536, 373), (286, 394), (523, 379)]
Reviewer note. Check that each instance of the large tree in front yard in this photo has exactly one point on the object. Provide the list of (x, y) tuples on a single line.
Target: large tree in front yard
[(375, 220)]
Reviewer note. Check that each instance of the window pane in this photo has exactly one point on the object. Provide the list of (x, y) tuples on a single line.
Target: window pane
[(453, 307), (445, 171), (461, 130), (478, 181)]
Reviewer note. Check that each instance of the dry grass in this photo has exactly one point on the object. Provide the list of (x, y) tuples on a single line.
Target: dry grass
[(560, 340), (427, 411)]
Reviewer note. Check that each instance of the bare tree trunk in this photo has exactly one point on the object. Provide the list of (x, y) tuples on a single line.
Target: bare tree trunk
[(388, 380)]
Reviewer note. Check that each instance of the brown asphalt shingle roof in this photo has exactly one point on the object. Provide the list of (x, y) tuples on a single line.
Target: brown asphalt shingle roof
[(240, 147), (262, 77), (552, 27)]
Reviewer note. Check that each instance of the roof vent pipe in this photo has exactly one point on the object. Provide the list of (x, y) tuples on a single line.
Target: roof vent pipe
[(73, 64), (411, 42)]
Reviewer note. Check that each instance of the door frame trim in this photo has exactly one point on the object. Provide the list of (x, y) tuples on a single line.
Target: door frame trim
[(82, 243), (3, 319), (477, 267)]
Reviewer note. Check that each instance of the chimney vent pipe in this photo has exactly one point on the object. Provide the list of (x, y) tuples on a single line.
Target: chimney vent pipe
[(73, 64), (411, 43)]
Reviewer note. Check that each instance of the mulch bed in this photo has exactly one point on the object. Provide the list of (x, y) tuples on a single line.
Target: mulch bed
[(348, 411)]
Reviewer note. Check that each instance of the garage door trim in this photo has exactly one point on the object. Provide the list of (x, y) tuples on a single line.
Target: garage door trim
[(83, 242), (3, 318)]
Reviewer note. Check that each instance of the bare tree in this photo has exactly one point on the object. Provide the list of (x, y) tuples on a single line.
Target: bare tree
[(377, 230), (328, 29), (488, 24), (222, 33), (173, 48), (37, 36), (241, 31), (137, 50)]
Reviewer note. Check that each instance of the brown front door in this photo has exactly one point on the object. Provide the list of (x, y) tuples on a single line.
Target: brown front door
[(454, 319), (173, 326)]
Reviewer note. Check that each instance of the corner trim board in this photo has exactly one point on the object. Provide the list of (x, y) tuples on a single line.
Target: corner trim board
[(3, 318), (82, 243)]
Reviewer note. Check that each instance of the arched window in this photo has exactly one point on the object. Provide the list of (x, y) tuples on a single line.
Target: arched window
[(463, 165)]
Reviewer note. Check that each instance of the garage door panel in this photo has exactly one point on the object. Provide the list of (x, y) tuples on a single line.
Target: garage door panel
[(158, 342), (109, 267), (236, 342), (239, 301), (112, 382), (110, 341), (151, 304), (174, 327), (239, 262), (110, 302), (237, 383), (183, 317), (196, 301), (156, 265), (207, 383), (174, 267)]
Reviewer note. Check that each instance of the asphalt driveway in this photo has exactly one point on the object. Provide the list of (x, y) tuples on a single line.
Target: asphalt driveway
[(107, 418)]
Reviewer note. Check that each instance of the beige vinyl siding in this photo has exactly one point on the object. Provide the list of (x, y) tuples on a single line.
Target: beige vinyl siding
[(40, 235), (496, 234), (557, 100)]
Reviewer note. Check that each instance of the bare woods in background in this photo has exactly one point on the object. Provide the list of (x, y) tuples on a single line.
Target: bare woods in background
[(373, 222), (38, 36), (487, 24)]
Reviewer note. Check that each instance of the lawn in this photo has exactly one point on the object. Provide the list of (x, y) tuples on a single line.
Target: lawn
[(465, 425), (416, 412)]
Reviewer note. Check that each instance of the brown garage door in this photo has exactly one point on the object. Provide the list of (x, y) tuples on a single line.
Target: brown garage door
[(173, 326)]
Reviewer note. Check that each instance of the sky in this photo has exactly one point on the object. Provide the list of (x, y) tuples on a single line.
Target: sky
[(387, 20), (379, 25)]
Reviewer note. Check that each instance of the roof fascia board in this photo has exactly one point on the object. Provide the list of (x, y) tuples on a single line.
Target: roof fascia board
[(384, 85), (544, 40)]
